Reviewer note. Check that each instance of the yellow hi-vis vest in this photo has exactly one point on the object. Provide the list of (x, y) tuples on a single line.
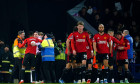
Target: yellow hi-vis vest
[(61, 56), (18, 52)]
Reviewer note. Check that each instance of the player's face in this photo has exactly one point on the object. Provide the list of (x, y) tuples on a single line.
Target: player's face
[(80, 27), (101, 28), (118, 36), (36, 35), (22, 35), (123, 34)]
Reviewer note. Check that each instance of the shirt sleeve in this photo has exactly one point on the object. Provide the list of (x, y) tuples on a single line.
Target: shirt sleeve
[(94, 39), (127, 45), (23, 44), (72, 42), (116, 40)]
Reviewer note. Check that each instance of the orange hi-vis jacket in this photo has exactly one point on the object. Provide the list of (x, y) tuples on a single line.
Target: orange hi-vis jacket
[(18, 52)]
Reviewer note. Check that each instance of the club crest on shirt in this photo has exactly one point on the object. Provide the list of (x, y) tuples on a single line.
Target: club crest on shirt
[(105, 37), (123, 43), (84, 36)]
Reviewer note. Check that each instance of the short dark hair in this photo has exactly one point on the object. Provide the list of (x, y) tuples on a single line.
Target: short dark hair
[(31, 33), (119, 33), (20, 32), (110, 30)]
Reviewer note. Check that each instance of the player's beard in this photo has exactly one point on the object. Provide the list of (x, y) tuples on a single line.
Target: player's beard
[(101, 31)]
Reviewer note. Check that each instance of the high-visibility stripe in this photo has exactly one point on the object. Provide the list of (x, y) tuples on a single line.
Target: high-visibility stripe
[(5, 61), (48, 56), (16, 52), (11, 65), (27, 71)]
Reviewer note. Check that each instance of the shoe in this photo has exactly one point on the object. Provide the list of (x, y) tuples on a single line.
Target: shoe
[(21, 82), (79, 81), (75, 82), (61, 81), (97, 81), (88, 81), (102, 81), (34, 82), (112, 81), (83, 81), (126, 81), (105, 81), (121, 81)]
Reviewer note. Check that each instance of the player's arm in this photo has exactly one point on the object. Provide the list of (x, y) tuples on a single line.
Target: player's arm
[(67, 45), (110, 46), (89, 43), (127, 45), (72, 45), (94, 45), (23, 44), (116, 41)]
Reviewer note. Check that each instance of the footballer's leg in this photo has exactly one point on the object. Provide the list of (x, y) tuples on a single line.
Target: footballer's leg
[(89, 72), (127, 72)]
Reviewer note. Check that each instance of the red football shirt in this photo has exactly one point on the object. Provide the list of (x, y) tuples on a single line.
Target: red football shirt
[(122, 54), (70, 37), (30, 49), (114, 40), (102, 43), (79, 42)]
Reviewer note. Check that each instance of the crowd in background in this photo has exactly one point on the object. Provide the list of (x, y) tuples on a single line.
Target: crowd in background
[(115, 17)]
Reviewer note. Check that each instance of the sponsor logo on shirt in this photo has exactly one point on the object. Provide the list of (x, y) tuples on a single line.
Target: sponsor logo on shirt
[(102, 42), (80, 40), (105, 37), (84, 36)]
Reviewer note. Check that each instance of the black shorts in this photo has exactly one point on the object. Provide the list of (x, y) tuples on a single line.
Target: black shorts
[(89, 61), (29, 58), (70, 59), (81, 56), (122, 62), (111, 61), (101, 57)]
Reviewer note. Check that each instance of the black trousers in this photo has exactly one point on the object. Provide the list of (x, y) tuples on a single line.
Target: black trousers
[(17, 68), (5, 77), (49, 71), (59, 67), (38, 69)]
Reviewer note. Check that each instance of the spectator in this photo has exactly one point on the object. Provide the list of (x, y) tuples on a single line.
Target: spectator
[(90, 10), (106, 16), (116, 17), (83, 13), (96, 21), (137, 48)]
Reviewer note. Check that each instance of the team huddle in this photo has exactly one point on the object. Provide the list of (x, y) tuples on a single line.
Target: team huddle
[(85, 52)]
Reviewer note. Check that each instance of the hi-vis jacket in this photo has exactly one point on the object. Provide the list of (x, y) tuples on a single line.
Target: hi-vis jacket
[(47, 50), (18, 52)]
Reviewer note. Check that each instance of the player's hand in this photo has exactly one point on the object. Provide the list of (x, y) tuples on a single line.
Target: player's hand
[(74, 52), (19, 57), (68, 53), (60, 51), (120, 48), (92, 54)]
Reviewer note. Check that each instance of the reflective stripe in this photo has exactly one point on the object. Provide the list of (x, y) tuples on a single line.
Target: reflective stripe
[(27, 71), (48, 56), (5, 61), (16, 52), (11, 65)]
